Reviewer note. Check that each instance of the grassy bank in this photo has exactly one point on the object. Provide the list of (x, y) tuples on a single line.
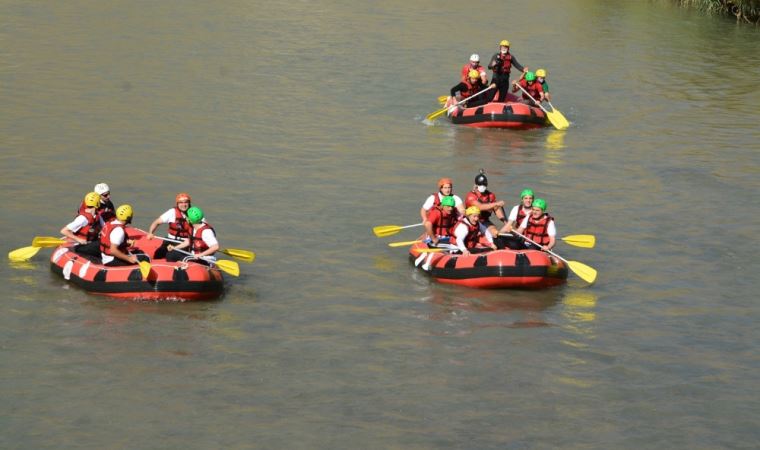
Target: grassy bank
[(744, 10)]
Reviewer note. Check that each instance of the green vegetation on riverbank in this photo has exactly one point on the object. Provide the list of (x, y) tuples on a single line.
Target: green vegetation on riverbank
[(743, 10)]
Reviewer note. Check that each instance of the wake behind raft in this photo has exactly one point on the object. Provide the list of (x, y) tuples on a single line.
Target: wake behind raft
[(511, 114), (183, 281), (493, 269)]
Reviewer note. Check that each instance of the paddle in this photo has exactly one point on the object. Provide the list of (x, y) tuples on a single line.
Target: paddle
[(578, 240), (559, 122), (404, 243), (239, 253), (442, 99), (557, 113), (49, 241), (390, 230), (23, 254), (587, 273), (436, 114), (230, 267), (144, 269)]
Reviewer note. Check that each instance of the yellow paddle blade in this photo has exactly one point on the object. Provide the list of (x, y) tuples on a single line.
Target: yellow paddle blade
[(560, 117), (587, 273), (436, 114), (403, 244), (581, 240), (227, 266), (243, 255), (23, 254), (386, 230), (47, 241), (144, 269), (442, 99), (558, 121)]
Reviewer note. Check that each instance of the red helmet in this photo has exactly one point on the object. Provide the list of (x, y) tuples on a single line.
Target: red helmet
[(182, 196), (443, 181)]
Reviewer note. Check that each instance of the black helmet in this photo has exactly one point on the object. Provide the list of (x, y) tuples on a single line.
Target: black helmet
[(481, 179)]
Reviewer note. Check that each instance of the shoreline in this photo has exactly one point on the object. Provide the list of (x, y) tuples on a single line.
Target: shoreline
[(745, 11)]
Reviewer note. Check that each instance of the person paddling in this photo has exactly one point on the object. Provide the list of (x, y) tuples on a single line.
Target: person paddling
[(445, 188), (440, 221), (469, 230), (541, 79), (518, 212), (179, 227), (105, 208), (86, 226), (202, 241), (539, 227), (486, 201), (501, 64), (534, 93), (467, 89), (114, 245), (474, 64)]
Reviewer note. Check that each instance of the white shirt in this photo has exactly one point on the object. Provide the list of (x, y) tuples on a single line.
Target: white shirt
[(460, 232), (77, 224), (515, 210), (168, 216), (431, 201), (550, 229), (117, 236), (209, 237)]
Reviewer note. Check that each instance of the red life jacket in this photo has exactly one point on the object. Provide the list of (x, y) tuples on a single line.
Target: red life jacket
[(473, 233), (467, 68), (520, 215), (196, 240), (533, 89), (443, 225), (485, 197), (91, 230), (471, 88), (105, 238), (506, 63), (537, 229), (180, 228), (105, 210)]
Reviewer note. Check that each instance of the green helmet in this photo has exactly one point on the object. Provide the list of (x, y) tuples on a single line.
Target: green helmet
[(530, 76), (526, 192), (540, 203), (194, 215), (448, 201)]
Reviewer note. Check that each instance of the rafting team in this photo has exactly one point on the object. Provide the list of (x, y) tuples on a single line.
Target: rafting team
[(460, 226), (99, 229), (474, 89)]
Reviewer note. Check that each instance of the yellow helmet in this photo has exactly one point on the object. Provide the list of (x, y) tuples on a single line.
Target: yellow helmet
[(92, 199), (541, 73), (504, 43), (124, 213), (472, 210), (473, 74)]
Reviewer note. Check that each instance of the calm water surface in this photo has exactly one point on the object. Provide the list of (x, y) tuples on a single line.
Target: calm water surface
[(297, 127)]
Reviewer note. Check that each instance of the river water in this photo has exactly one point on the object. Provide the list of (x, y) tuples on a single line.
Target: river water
[(297, 127)]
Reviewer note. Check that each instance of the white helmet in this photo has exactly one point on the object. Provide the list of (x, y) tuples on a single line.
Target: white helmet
[(475, 57), (102, 188)]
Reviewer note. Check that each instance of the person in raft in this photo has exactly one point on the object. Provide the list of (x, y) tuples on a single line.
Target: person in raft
[(469, 230), (114, 245), (440, 222), (541, 79), (501, 64), (202, 241), (516, 216), (445, 188), (85, 227), (179, 228), (105, 208), (467, 89), (485, 200), (535, 93), (474, 64), (539, 227)]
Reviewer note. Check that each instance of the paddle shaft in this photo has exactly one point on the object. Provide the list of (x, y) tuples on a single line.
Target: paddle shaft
[(472, 96), (539, 246), (210, 259), (534, 100)]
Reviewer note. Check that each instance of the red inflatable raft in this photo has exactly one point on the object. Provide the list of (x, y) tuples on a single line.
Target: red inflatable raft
[(494, 269), (184, 281), (511, 114)]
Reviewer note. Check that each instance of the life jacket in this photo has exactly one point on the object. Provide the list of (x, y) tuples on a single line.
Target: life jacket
[(506, 63), (520, 215), (533, 89), (473, 233), (444, 226), (537, 229), (196, 240), (485, 197), (180, 228), (467, 68), (471, 89), (105, 210), (91, 230), (105, 238)]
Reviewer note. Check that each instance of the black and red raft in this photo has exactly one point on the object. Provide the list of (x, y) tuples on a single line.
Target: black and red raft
[(178, 281), (510, 114), (491, 269)]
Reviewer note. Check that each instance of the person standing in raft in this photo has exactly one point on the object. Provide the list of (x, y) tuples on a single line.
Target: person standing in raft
[(179, 228), (535, 93), (501, 63), (541, 79), (445, 188), (469, 230), (114, 245), (474, 64), (105, 208), (440, 221), (202, 241), (485, 200), (84, 229), (467, 89), (539, 227)]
